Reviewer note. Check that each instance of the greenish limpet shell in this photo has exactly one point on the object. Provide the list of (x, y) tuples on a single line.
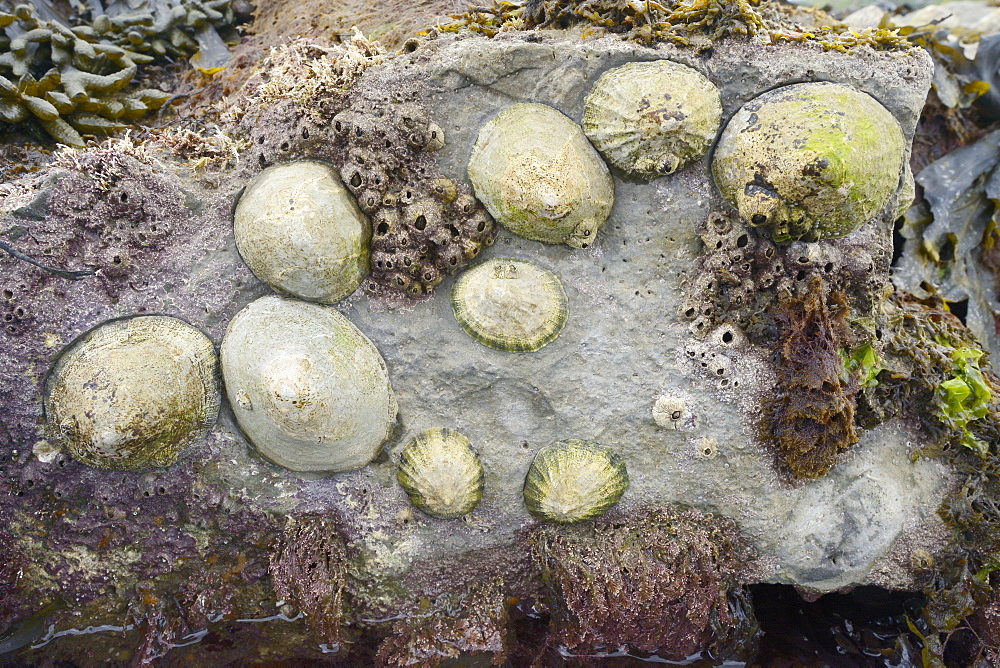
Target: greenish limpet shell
[(810, 161), (133, 392), (650, 119), (441, 473), (301, 232), (536, 173), (574, 481), (510, 304), (309, 390)]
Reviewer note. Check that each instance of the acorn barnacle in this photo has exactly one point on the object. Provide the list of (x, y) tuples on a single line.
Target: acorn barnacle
[(574, 481), (301, 232), (309, 390), (133, 392), (653, 118), (536, 173), (441, 473), (510, 304), (810, 161)]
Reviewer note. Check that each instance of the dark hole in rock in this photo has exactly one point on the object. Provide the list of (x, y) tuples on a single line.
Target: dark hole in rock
[(421, 222), (758, 219), (959, 309)]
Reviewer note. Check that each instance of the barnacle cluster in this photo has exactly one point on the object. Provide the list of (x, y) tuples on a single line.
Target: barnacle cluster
[(664, 581), (424, 226), (70, 75)]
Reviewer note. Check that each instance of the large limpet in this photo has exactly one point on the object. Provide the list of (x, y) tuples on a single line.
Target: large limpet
[(301, 232), (309, 390), (536, 173), (441, 473), (574, 481), (653, 118), (510, 304), (810, 161), (133, 392)]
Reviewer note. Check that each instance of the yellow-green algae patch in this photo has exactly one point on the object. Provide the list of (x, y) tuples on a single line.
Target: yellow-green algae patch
[(810, 161)]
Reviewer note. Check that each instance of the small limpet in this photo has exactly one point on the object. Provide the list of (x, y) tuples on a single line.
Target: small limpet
[(510, 304), (574, 481), (301, 232), (309, 390), (650, 119), (810, 161), (536, 173), (441, 473), (133, 392)]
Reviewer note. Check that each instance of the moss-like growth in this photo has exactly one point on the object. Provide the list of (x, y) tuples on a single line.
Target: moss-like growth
[(470, 624), (811, 418), (663, 582), (696, 23), (309, 570)]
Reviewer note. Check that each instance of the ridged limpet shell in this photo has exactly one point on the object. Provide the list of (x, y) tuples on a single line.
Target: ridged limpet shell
[(441, 473), (650, 119), (510, 304), (810, 161), (133, 392), (536, 173), (309, 390), (301, 232), (574, 481)]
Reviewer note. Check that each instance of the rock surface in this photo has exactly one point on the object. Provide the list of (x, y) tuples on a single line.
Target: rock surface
[(625, 345)]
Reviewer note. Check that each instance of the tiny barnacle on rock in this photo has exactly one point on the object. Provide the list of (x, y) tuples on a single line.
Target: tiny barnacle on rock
[(510, 304), (573, 481), (441, 473), (671, 412), (133, 392), (536, 173), (301, 232), (810, 161), (309, 390), (653, 118)]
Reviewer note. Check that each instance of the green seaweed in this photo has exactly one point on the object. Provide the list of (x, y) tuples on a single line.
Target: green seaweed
[(862, 365), (70, 80), (965, 397)]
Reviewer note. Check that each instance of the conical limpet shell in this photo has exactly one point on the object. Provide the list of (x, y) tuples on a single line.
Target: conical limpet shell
[(301, 232), (573, 481), (309, 390), (810, 161), (536, 173), (652, 118), (510, 304), (441, 473), (133, 392)]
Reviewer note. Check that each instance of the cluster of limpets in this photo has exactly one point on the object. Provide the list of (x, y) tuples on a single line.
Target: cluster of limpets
[(568, 482)]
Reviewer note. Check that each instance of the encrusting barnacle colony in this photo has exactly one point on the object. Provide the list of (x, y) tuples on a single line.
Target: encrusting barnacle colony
[(441, 473), (309, 390), (302, 233), (810, 161), (573, 481), (650, 119), (133, 392), (510, 304), (536, 173)]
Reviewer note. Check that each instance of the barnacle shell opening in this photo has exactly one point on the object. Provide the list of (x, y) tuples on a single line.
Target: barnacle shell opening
[(309, 390), (811, 161), (536, 173), (652, 118), (441, 473), (301, 232), (574, 481), (133, 392), (510, 304)]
